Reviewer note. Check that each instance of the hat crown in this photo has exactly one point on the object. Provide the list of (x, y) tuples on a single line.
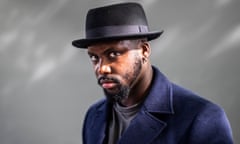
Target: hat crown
[(115, 22), (116, 15)]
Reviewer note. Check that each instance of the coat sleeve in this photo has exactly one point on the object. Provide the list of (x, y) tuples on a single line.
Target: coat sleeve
[(211, 126)]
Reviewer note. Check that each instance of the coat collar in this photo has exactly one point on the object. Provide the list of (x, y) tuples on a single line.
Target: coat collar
[(145, 127), (159, 99)]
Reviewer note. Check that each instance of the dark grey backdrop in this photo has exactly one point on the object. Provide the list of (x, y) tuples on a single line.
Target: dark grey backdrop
[(46, 85)]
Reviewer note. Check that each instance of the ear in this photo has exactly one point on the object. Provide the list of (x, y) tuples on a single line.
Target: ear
[(146, 50)]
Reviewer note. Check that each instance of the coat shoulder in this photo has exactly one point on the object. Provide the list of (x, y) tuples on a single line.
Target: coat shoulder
[(186, 102), (99, 105), (183, 97), (208, 122)]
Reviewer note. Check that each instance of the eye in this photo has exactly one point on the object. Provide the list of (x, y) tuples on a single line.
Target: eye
[(114, 54), (93, 58)]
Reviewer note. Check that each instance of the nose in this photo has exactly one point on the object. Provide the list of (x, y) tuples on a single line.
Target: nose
[(103, 68)]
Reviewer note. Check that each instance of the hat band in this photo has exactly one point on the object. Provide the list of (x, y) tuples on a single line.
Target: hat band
[(107, 31)]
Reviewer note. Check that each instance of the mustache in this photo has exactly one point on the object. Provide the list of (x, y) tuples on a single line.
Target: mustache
[(103, 79)]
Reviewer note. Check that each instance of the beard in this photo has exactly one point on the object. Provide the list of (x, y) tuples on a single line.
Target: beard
[(123, 91)]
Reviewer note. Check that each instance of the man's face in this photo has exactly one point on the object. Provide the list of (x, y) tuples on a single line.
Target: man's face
[(117, 65)]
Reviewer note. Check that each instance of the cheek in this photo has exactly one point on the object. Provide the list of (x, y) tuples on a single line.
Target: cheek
[(125, 65), (132, 58), (132, 68), (95, 69)]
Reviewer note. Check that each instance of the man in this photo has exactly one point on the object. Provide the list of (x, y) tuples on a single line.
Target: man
[(142, 106)]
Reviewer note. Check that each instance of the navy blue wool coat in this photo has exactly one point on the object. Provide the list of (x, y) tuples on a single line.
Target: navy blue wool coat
[(169, 115)]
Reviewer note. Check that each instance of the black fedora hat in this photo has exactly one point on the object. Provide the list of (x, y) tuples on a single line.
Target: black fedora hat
[(113, 22)]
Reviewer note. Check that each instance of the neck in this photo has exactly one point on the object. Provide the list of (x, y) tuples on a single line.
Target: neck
[(141, 87)]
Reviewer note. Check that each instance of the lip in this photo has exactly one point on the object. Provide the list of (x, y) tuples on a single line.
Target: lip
[(108, 85)]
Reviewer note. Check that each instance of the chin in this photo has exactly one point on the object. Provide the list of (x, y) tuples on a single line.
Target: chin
[(115, 97)]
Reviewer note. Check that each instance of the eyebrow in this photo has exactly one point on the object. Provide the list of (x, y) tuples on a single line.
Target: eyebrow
[(90, 53), (105, 51), (109, 50)]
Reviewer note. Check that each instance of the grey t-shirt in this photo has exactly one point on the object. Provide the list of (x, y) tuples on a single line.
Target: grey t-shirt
[(121, 118)]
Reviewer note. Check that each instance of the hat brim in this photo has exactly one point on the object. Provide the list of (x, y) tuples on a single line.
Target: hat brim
[(84, 43)]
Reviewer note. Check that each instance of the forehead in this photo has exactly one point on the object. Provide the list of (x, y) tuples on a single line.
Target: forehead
[(118, 44)]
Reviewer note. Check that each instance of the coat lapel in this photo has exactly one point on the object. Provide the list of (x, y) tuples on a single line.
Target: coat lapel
[(146, 126), (142, 130)]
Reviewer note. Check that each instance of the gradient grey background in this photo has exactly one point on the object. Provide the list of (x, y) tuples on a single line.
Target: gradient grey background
[(46, 85)]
